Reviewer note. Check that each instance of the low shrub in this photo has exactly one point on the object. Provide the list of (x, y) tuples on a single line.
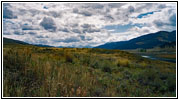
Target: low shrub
[(123, 63), (106, 69), (68, 57)]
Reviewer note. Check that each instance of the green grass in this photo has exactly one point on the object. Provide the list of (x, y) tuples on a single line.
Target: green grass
[(30, 71)]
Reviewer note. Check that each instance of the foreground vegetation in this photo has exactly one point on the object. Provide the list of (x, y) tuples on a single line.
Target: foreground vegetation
[(55, 72)]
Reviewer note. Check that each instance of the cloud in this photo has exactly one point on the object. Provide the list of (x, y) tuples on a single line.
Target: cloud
[(76, 31), (18, 33), (27, 27), (85, 13), (116, 5), (42, 36), (87, 28), (64, 30), (85, 24), (172, 19), (7, 13), (68, 39), (48, 24), (131, 9), (170, 22), (161, 6), (53, 14), (85, 37), (82, 12), (32, 33), (159, 23)]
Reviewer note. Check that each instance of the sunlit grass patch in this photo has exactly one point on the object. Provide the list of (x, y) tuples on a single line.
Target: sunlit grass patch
[(122, 62)]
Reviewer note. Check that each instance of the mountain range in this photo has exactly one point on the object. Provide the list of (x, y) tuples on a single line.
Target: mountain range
[(158, 39), (148, 41)]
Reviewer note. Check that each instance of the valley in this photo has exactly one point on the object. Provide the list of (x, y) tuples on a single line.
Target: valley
[(164, 54), (89, 50), (31, 71)]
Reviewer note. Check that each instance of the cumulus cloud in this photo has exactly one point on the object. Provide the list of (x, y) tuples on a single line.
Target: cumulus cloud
[(48, 24), (172, 19), (32, 33), (28, 27), (7, 12), (87, 28), (85, 13), (85, 24)]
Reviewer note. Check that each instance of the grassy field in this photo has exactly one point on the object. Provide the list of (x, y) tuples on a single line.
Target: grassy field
[(80, 72), (168, 53)]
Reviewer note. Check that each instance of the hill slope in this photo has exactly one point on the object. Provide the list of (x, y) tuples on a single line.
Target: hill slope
[(146, 41), (7, 41)]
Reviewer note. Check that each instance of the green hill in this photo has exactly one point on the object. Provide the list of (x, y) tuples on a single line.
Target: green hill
[(148, 41), (31, 71), (7, 41)]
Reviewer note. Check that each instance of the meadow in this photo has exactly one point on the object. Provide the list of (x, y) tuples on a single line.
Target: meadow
[(30, 71)]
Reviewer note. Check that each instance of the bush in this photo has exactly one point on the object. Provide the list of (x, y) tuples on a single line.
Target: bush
[(68, 57), (98, 92), (123, 63), (106, 69)]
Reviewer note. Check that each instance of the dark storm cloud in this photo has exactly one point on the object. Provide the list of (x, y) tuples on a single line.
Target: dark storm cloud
[(48, 24)]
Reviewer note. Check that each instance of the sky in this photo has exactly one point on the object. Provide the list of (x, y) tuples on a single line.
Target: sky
[(85, 24)]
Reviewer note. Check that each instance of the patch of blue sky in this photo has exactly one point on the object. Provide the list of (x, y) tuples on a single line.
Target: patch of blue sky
[(148, 13), (45, 7), (121, 28)]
